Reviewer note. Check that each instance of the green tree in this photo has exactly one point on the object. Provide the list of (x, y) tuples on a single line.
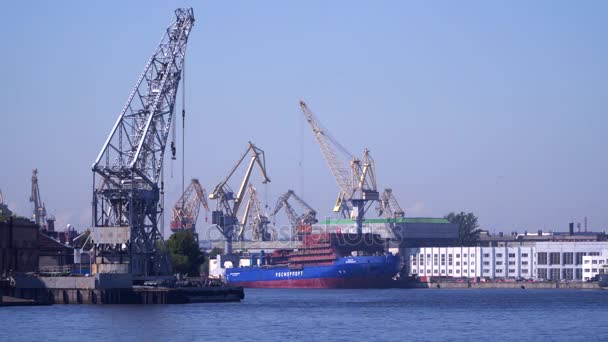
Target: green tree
[(468, 228), (185, 254)]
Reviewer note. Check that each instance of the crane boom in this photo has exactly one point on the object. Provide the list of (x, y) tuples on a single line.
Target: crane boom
[(129, 165), (328, 147), (137, 141)]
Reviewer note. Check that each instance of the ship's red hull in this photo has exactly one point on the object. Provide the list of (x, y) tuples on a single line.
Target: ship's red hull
[(318, 283)]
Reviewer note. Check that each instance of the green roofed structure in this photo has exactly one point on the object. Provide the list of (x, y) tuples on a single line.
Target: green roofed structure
[(389, 220), (403, 232)]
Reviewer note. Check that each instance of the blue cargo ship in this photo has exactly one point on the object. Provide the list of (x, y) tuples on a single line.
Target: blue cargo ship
[(325, 261)]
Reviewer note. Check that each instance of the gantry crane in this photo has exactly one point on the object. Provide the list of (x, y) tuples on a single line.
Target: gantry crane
[(389, 207), (299, 223), (357, 187), (187, 207), (39, 212), (127, 173), (228, 203), (254, 218)]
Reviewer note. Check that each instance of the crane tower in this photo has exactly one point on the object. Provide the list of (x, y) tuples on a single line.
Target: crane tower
[(127, 181), (39, 214)]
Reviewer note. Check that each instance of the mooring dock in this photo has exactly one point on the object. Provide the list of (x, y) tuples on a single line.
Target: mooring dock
[(31, 290)]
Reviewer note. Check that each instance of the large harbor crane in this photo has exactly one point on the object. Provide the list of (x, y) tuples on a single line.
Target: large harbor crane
[(127, 174), (357, 187), (39, 212), (389, 207), (187, 207), (228, 202), (300, 223), (254, 218)]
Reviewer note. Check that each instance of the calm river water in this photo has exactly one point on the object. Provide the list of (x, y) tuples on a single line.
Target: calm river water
[(329, 315)]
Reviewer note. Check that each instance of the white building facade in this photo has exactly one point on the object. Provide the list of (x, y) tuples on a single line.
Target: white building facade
[(564, 260), (471, 262), (540, 260), (595, 264)]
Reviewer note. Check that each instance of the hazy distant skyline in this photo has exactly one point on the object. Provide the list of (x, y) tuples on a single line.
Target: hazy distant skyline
[(494, 108)]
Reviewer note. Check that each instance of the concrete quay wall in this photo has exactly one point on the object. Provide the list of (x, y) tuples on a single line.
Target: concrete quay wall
[(500, 285), (99, 281), (129, 296)]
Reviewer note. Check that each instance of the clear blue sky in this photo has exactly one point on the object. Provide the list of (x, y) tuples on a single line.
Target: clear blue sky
[(498, 107)]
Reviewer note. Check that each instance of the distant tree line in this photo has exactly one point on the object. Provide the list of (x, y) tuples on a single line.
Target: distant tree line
[(468, 228)]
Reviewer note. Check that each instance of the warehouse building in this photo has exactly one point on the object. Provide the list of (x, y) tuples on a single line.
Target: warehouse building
[(409, 231), (18, 246), (594, 265), (539, 261)]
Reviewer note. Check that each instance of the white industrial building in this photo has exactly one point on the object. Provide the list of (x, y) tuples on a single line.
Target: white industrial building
[(595, 264), (536, 260)]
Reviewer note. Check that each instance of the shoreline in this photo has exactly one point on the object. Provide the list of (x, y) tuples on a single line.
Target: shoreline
[(498, 285)]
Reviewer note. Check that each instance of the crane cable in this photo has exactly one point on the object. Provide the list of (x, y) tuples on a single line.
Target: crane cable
[(183, 129)]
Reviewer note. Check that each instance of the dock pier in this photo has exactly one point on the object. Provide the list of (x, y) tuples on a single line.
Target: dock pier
[(93, 290)]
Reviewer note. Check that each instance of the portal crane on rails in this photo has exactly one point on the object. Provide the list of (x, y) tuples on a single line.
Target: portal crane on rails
[(301, 223), (187, 207), (39, 212), (254, 218), (389, 207), (127, 174), (228, 202), (358, 188)]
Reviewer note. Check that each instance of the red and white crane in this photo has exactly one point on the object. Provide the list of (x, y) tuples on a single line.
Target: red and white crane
[(188, 206)]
